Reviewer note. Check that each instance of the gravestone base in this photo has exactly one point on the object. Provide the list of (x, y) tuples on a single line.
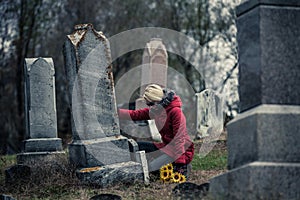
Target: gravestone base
[(264, 133), (85, 153), (258, 180), (263, 155), (125, 172), (32, 158), (42, 145)]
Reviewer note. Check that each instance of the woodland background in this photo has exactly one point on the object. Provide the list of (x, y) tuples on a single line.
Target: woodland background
[(38, 28)]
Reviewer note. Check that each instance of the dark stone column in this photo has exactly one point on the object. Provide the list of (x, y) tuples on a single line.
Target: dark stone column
[(263, 144)]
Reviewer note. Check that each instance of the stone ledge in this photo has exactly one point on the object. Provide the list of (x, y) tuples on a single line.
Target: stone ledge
[(36, 157), (268, 109), (43, 145), (264, 133), (250, 4), (89, 153), (280, 181), (103, 176)]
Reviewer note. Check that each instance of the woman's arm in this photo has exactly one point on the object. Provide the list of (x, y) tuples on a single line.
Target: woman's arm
[(135, 115)]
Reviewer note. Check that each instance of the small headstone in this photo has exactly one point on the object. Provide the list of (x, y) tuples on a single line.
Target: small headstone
[(155, 64), (16, 173), (154, 70), (209, 114), (106, 197), (40, 112), (5, 197), (40, 98), (141, 158), (190, 190)]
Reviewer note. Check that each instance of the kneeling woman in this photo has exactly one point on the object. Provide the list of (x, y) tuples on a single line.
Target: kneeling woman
[(176, 146)]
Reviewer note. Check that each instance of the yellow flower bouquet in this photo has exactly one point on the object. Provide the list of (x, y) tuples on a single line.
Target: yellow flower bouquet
[(168, 176)]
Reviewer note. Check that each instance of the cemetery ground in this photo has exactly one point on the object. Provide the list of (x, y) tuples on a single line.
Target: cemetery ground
[(50, 182)]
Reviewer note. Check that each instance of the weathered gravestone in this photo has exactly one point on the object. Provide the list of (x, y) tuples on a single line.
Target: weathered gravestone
[(96, 135), (40, 112), (209, 119), (209, 114), (154, 70), (5, 197), (155, 64), (188, 190), (263, 141), (106, 197), (17, 173)]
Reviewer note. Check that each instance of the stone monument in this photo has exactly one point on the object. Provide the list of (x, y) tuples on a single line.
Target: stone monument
[(40, 111), (209, 113), (98, 150), (42, 147), (154, 70), (209, 119), (155, 64), (263, 144)]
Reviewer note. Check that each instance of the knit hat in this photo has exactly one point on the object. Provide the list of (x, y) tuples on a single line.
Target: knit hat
[(153, 93)]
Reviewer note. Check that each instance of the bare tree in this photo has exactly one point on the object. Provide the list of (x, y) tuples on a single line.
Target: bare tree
[(33, 28)]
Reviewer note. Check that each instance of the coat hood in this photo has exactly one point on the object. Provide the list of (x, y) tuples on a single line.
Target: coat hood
[(175, 103)]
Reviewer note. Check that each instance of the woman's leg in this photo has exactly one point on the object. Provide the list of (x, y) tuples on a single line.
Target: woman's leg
[(147, 147), (156, 158), (159, 161)]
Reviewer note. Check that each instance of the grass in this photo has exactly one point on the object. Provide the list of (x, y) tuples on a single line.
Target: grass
[(52, 183), (214, 160), (5, 162)]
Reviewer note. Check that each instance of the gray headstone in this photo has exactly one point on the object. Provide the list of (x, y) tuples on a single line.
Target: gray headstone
[(188, 190), (96, 134), (16, 173), (95, 125), (154, 70), (5, 197), (262, 142), (40, 111), (40, 100), (91, 86), (209, 119), (141, 158), (106, 197), (155, 60), (209, 113)]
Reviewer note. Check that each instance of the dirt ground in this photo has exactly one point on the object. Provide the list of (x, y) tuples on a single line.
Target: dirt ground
[(157, 189)]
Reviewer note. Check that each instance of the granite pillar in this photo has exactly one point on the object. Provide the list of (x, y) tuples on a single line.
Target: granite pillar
[(264, 159)]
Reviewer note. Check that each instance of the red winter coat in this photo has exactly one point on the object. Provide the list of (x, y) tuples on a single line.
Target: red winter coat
[(172, 128)]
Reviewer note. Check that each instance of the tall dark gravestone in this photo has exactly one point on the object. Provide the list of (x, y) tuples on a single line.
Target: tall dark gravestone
[(95, 126), (263, 140)]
